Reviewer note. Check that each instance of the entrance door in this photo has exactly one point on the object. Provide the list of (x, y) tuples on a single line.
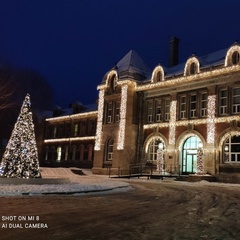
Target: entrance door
[(189, 155)]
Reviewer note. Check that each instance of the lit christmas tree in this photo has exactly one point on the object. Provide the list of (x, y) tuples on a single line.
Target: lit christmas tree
[(20, 159)]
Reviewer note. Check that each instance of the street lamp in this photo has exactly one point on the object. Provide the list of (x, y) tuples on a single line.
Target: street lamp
[(226, 153), (200, 158), (160, 158)]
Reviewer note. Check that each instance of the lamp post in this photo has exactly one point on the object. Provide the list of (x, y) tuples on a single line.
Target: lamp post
[(160, 158), (200, 158)]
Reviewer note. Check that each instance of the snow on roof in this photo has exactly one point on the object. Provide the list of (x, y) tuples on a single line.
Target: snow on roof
[(133, 63)]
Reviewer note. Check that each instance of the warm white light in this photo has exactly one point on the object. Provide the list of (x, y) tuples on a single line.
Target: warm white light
[(189, 62), (99, 120), (230, 52), (157, 69), (172, 122), (122, 123), (160, 146), (211, 119), (69, 139)]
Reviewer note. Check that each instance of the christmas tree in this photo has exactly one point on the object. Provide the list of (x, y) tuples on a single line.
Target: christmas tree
[(20, 159)]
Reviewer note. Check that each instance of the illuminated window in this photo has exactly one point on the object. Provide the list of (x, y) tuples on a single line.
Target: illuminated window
[(59, 154), (236, 100), (235, 58), (109, 150), (149, 111), (203, 104), (152, 149), (231, 150), (75, 129), (223, 99), (158, 110)]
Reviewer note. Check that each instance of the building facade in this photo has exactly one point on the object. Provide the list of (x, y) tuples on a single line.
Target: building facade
[(69, 137), (186, 108)]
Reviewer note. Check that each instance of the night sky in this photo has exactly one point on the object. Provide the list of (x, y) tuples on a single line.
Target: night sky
[(73, 43)]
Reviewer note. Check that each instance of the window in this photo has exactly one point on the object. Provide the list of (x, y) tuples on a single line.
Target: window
[(109, 112), (74, 149), (223, 102), (149, 111), (109, 153), (158, 77), (54, 131), (203, 104), (158, 110), (235, 58), (75, 129), (231, 149), (117, 111), (193, 106), (83, 128), (236, 100), (193, 68), (152, 149), (167, 109), (92, 127), (66, 153), (183, 107), (59, 154), (46, 153)]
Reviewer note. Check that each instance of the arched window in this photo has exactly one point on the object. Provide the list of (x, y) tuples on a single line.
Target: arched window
[(81, 152), (158, 77), (66, 153), (74, 148), (235, 58), (59, 153), (231, 149), (109, 150), (152, 149), (90, 152), (193, 68)]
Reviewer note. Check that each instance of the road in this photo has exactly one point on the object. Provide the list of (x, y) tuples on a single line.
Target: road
[(152, 210)]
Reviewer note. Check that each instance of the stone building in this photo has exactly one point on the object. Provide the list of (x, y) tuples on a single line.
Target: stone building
[(188, 108)]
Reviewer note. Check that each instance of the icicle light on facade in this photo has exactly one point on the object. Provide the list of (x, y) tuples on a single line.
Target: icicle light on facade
[(211, 119), (122, 124), (73, 116), (99, 120), (172, 122), (69, 139)]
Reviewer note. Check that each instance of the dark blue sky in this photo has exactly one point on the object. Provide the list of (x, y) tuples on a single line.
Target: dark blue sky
[(73, 43)]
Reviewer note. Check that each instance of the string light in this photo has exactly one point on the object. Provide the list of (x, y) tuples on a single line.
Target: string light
[(69, 139), (172, 122), (73, 116), (188, 64), (122, 124), (97, 146), (211, 119), (235, 48), (155, 71)]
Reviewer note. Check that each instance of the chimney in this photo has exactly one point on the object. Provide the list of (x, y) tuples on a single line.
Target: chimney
[(173, 57)]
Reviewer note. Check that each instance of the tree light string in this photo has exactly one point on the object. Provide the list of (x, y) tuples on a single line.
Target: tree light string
[(122, 124)]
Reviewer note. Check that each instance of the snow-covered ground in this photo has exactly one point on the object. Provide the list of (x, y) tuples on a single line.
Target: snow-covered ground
[(78, 184)]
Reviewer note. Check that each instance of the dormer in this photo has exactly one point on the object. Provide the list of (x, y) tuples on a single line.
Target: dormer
[(192, 66), (233, 55), (158, 74)]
